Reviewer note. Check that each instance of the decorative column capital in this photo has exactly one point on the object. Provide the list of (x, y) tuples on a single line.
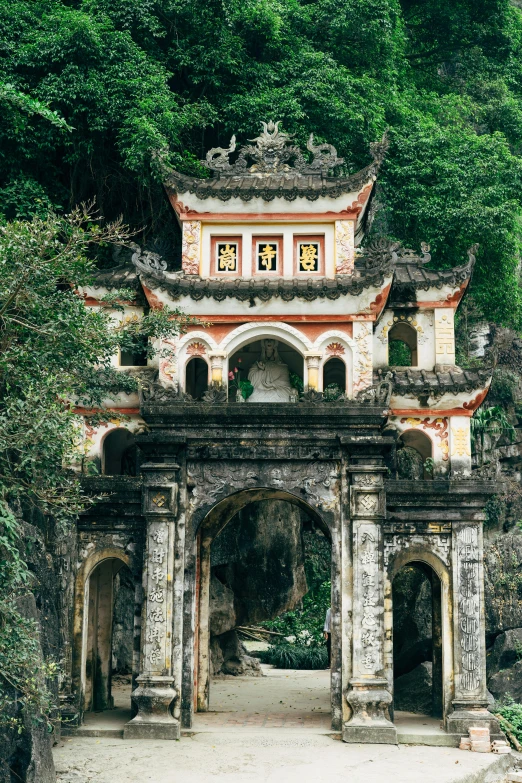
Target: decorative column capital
[(216, 365), (217, 358), (312, 358)]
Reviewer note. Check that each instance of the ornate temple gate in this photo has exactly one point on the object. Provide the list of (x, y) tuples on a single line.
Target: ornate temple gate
[(334, 461)]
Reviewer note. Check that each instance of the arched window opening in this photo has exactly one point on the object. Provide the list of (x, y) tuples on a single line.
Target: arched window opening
[(417, 640), (119, 453), (252, 374), (402, 346), (334, 377), (110, 637), (196, 378), (414, 455), (135, 356)]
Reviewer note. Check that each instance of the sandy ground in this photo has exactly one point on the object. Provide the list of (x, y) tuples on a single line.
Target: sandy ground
[(273, 729), (269, 756)]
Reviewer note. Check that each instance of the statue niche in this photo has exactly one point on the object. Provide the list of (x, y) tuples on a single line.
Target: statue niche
[(269, 376)]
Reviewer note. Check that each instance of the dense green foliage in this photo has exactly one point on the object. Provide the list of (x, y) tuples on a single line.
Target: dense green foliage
[(295, 656), (304, 625), (139, 82), (54, 353), (511, 719)]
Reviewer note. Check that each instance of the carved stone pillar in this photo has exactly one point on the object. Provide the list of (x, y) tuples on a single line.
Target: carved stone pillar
[(156, 692), (216, 366), (312, 364), (369, 696), (470, 703)]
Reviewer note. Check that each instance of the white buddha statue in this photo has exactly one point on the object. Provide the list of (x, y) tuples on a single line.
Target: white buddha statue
[(269, 376)]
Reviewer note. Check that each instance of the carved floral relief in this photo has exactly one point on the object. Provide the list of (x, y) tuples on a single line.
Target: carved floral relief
[(363, 365), (317, 482), (335, 349), (191, 247), (196, 349), (344, 247)]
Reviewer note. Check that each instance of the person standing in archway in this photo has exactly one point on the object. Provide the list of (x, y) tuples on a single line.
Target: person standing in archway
[(328, 633)]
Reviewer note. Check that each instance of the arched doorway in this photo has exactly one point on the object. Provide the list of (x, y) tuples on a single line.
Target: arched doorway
[(108, 636), (417, 640), (196, 377), (415, 455), (262, 556), (119, 453), (334, 376)]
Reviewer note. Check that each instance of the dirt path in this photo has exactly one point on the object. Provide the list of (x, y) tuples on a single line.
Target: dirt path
[(270, 756)]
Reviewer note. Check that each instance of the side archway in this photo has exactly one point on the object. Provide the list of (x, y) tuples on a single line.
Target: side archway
[(438, 584), (93, 627)]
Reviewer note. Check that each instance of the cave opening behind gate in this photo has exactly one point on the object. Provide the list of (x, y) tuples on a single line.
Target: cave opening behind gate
[(269, 587), (417, 640)]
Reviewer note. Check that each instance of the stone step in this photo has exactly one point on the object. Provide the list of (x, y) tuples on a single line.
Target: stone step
[(441, 740)]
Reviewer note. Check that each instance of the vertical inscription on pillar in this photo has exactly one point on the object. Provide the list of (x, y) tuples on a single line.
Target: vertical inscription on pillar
[(469, 608), (156, 594), (369, 591)]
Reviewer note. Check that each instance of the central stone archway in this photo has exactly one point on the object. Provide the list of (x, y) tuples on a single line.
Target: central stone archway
[(208, 529)]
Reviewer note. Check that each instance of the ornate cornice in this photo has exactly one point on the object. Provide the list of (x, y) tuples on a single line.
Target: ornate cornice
[(272, 167), (428, 383), (246, 289)]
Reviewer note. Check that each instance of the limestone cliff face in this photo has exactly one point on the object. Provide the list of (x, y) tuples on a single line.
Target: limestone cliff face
[(258, 573)]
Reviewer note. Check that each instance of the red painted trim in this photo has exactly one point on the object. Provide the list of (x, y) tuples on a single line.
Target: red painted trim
[(431, 412), (221, 240), (268, 217), (81, 411), (152, 299), (472, 405), (378, 305), (305, 239), (231, 319)]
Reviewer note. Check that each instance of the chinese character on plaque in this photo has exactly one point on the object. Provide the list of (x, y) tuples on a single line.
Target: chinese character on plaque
[(308, 257), (267, 256), (227, 256)]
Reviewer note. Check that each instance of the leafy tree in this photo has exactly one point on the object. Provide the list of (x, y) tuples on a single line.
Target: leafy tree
[(55, 353), (142, 81)]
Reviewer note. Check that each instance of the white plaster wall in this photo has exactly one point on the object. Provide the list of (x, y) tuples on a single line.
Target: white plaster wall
[(90, 439), (460, 445), (423, 323), (343, 306), (276, 206)]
